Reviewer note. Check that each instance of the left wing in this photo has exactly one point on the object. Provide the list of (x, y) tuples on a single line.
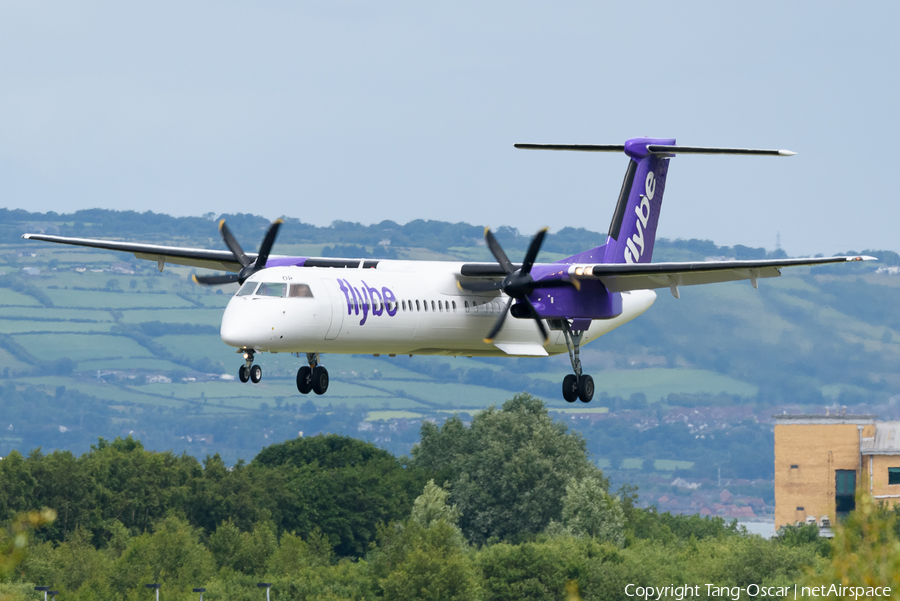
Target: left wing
[(622, 277)]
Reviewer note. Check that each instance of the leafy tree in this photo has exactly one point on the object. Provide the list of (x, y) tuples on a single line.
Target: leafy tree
[(15, 535), (432, 505), (426, 556), (347, 487), (866, 551), (589, 510), (172, 553), (509, 470)]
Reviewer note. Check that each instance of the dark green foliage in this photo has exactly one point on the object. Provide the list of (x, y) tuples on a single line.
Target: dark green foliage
[(119, 484), (508, 471)]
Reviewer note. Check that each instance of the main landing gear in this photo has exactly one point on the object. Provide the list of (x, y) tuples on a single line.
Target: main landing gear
[(313, 377), (248, 371), (576, 386)]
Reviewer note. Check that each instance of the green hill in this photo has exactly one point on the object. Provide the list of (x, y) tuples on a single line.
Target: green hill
[(106, 345)]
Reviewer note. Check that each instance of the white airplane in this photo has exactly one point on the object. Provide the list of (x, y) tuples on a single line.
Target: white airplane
[(363, 306)]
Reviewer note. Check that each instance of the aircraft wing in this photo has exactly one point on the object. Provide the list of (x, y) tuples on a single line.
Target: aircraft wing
[(622, 277), (195, 257)]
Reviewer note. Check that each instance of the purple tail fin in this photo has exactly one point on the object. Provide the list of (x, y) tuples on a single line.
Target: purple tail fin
[(633, 228), (632, 232)]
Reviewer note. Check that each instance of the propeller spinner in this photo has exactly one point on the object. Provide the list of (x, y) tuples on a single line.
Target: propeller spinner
[(248, 266), (518, 283)]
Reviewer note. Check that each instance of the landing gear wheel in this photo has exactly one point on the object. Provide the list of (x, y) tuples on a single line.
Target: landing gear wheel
[(244, 374), (570, 388), (319, 379), (255, 374), (585, 388), (304, 379)]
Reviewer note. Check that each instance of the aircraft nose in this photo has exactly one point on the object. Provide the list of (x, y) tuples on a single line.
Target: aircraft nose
[(237, 327)]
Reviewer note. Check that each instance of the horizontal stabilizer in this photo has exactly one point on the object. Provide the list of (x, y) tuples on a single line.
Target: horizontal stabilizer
[(580, 147), (662, 149), (658, 149)]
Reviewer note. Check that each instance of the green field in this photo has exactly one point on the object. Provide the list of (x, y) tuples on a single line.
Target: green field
[(80, 347), (114, 300), (658, 383), (13, 298)]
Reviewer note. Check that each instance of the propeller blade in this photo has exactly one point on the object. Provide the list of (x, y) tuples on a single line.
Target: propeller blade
[(533, 249), (558, 283), (266, 247), (233, 245), (497, 251), (215, 280), (537, 319), (499, 323), (480, 286)]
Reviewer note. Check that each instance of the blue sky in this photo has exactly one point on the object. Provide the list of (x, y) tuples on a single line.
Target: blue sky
[(366, 111)]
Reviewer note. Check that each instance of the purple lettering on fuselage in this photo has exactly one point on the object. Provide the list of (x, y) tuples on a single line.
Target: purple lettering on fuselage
[(367, 297)]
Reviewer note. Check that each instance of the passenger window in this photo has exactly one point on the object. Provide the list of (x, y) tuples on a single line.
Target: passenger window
[(425, 305), (466, 303), (418, 308), (300, 291), (403, 304), (432, 305), (247, 289), (475, 306), (270, 289), (454, 306), (441, 306)]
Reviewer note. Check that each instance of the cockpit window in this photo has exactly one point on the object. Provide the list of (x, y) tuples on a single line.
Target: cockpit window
[(300, 290), (247, 289), (270, 289)]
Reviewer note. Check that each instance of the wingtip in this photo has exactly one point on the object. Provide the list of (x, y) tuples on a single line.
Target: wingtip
[(194, 277), (488, 340), (26, 236), (221, 224), (486, 230), (576, 283), (278, 221), (786, 153)]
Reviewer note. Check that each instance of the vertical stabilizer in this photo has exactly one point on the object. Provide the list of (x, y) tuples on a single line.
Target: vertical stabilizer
[(632, 232)]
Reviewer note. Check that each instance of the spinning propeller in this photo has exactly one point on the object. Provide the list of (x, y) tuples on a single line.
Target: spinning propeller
[(518, 284), (248, 267)]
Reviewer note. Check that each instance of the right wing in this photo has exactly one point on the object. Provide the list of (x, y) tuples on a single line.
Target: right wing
[(222, 260)]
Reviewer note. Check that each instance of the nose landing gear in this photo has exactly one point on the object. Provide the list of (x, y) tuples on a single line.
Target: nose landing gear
[(313, 377), (248, 371), (576, 386)]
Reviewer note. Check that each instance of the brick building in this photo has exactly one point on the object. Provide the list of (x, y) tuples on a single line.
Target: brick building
[(820, 460)]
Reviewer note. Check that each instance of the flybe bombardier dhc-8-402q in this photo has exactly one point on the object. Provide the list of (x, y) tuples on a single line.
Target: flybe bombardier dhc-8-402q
[(318, 305)]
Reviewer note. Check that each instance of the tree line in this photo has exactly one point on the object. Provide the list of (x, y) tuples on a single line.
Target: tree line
[(508, 506)]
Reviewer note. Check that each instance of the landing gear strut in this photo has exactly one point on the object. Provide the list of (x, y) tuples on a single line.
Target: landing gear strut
[(313, 377), (576, 386), (248, 371)]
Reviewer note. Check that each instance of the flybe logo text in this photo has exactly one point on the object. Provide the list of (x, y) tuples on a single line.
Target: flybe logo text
[(632, 252), (366, 299)]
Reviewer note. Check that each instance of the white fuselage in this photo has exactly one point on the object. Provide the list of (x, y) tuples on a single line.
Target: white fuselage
[(402, 307)]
